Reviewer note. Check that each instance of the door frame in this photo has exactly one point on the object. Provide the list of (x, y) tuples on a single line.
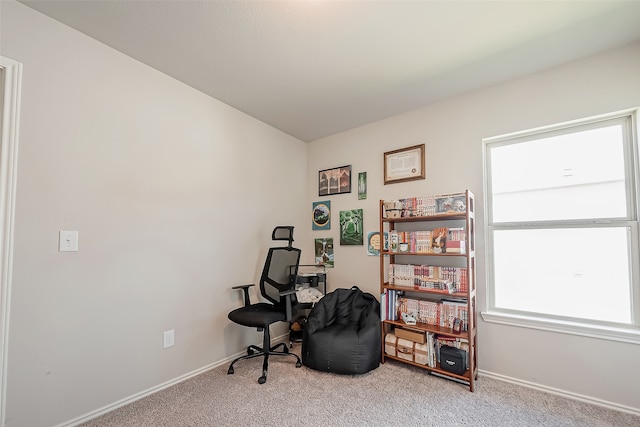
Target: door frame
[(10, 89)]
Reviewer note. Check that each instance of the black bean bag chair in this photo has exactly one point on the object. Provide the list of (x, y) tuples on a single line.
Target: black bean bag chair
[(342, 333)]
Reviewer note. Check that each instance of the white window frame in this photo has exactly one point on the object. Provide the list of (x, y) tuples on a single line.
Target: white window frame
[(603, 330)]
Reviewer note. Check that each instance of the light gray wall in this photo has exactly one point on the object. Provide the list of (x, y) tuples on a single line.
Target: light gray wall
[(174, 195), (172, 211), (453, 130)]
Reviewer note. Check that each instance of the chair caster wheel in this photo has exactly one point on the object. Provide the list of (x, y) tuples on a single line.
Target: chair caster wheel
[(298, 364), (262, 380), (230, 371)]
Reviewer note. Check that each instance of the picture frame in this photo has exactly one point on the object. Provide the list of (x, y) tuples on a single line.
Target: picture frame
[(351, 227), (321, 215), (404, 164), (362, 186), (323, 248), (334, 181), (373, 243)]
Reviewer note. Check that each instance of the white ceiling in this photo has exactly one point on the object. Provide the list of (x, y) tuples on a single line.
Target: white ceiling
[(312, 68)]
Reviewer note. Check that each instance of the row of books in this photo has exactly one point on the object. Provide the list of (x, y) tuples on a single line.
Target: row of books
[(444, 313), (433, 205), (439, 313), (427, 277), (438, 240), (388, 305)]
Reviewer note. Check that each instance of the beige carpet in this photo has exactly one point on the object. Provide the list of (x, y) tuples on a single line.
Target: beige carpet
[(395, 394)]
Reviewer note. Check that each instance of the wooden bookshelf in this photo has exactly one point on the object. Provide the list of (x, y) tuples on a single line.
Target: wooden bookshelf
[(460, 294)]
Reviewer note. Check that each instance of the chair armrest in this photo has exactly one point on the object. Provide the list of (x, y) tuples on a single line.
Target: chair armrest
[(288, 302), (245, 291)]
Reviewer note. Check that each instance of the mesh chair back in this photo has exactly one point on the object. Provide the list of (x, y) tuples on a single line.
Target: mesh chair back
[(279, 273)]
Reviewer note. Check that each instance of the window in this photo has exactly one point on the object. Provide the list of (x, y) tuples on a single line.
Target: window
[(562, 227)]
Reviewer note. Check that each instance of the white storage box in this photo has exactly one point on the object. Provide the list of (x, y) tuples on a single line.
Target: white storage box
[(404, 349), (390, 341)]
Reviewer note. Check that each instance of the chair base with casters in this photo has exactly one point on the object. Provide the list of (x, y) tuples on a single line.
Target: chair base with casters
[(278, 288), (240, 316)]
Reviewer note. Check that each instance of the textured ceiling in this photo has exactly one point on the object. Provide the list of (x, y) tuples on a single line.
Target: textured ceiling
[(315, 68)]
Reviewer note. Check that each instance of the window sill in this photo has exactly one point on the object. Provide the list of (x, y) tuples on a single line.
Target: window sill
[(621, 334)]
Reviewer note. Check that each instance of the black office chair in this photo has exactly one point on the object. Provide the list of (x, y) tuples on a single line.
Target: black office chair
[(277, 286)]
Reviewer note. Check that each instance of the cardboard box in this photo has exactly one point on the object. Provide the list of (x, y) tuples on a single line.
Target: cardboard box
[(407, 334)]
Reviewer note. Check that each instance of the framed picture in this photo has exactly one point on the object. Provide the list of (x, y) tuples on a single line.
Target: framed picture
[(324, 251), (321, 215), (373, 243), (334, 181), (351, 227), (405, 164), (362, 185)]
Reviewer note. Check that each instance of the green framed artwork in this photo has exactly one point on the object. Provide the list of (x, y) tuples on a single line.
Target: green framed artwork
[(362, 185), (321, 215), (351, 227)]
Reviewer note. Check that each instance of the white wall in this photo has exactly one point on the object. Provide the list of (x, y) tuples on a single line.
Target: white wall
[(174, 195), (453, 131), (172, 211)]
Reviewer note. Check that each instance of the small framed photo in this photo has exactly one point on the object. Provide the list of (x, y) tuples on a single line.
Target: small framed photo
[(334, 181), (321, 215), (405, 164), (362, 185), (324, 251)]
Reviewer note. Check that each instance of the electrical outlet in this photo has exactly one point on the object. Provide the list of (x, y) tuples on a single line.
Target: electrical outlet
[(68, 241), (168, 338)]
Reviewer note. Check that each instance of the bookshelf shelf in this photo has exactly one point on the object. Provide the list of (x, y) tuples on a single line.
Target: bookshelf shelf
[(423, 254), (439, 292), (436, 369), (437, 289)]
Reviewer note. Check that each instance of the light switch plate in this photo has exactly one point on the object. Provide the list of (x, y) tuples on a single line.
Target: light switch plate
[(168, 338), (68, 241)]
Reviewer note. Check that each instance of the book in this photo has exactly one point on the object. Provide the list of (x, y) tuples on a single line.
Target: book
[(456, 247), (439, 239)]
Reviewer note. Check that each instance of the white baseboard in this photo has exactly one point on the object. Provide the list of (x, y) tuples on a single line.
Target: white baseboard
[(563, 393), (127, 400)]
